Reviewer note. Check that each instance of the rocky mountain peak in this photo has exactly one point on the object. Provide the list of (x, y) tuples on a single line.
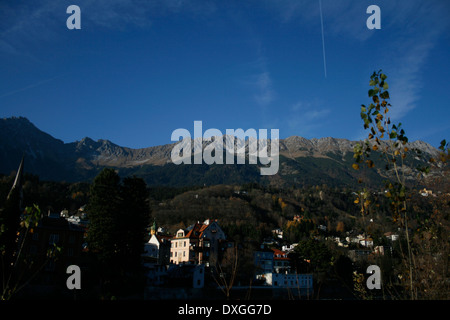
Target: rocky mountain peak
[(52, 158)]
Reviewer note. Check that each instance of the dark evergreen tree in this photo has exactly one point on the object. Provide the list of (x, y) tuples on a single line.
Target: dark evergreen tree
[(134, 219), (118, 217), (103, 213)]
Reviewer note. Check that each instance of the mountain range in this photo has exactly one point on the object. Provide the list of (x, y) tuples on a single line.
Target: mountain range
[(302, 161)]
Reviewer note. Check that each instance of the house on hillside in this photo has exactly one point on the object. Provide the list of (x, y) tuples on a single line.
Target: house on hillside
[(425, 193), (156, 256), (263, 262), (302, 282), (278, 233), (274, 269), (281, 262), (201, 243), (391, 236), (366, 242), (289, 248), (157, 249)]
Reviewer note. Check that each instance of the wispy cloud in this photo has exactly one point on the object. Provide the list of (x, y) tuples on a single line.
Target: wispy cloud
[(343, 17), (25, 23), (265, 93), (417, 26), (258, 79), (307, 118), (411, 51)]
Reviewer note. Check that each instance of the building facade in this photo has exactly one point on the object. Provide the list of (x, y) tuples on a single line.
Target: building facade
[(199, 244), (157, 249)]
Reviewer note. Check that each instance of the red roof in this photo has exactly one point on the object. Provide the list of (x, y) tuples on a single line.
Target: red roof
[(279, 255), (197, 231)]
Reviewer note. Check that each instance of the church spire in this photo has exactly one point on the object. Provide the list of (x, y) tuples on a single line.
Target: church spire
[(153, 228)]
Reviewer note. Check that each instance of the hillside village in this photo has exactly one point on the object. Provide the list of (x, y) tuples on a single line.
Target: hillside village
[(189, 261), (244, 242), (190, 254)]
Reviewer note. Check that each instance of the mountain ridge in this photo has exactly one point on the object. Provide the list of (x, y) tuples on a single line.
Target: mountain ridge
[(52, 159)]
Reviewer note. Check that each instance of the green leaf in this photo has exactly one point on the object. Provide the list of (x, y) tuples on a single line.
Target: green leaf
[(366, 123), (443, 145), (384, 95), (383, 76), (385, 86), (375, 99)]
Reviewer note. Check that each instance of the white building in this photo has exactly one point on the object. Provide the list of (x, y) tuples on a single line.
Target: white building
[(391, 236), (278, 233), (200, 243), (158, 249), (368, 242), (290, 280), (289, 248)]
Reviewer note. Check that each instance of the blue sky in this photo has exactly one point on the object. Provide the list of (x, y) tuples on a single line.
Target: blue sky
[(138, 70)]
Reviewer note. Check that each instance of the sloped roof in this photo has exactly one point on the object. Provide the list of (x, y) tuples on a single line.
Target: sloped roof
[(279, 255), (197, 231), (161, 237)]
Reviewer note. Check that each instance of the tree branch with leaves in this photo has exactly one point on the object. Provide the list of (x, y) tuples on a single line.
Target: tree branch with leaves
[(390, 143)]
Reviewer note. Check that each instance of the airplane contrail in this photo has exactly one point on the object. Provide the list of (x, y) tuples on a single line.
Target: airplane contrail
[(28, 87), (323, 40)]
